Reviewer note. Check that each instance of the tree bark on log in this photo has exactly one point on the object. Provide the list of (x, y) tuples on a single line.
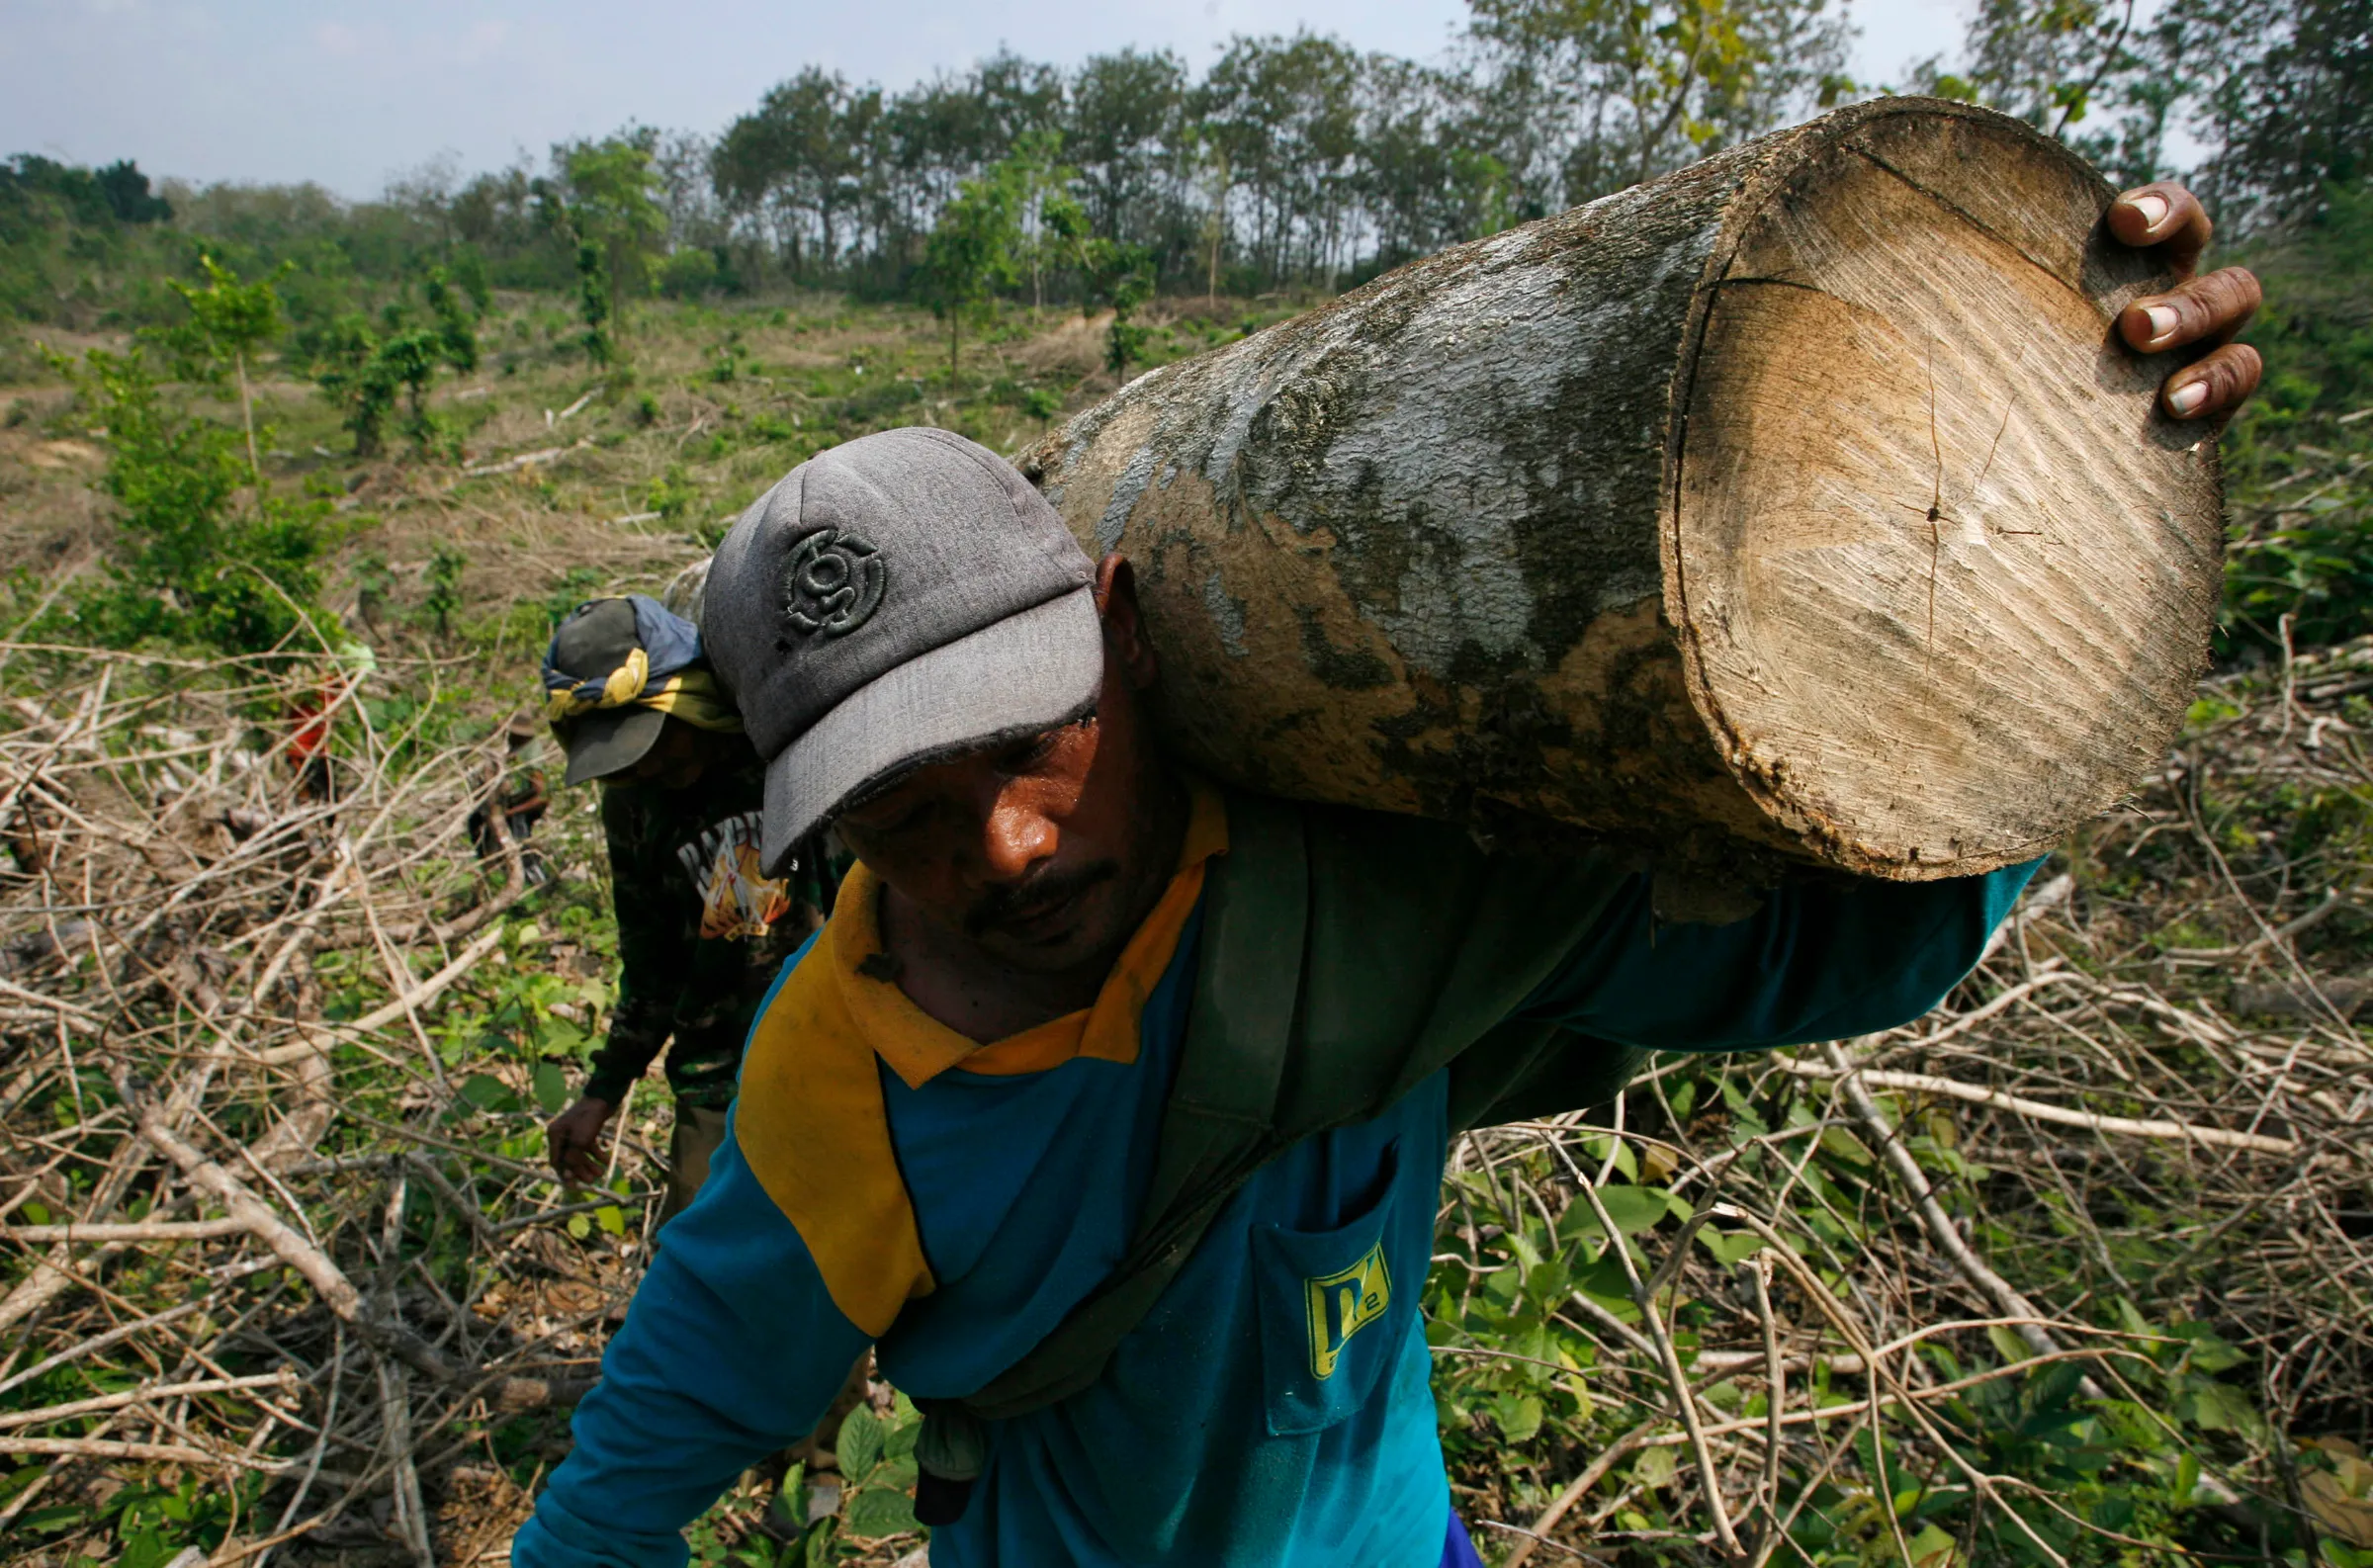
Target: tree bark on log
[(1800, 501)]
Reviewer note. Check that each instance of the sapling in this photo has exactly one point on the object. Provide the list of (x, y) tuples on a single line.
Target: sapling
[(187, 566), (230, 321), (970, 254)]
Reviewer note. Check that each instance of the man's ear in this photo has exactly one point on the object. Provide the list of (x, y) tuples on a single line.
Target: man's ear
[(1124, 626)]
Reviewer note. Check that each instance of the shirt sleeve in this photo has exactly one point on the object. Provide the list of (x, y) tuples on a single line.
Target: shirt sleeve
[(731, 1350), (1823, 959), (655, 950)]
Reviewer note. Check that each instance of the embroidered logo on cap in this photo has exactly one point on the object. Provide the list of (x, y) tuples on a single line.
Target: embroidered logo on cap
[(832, 582)]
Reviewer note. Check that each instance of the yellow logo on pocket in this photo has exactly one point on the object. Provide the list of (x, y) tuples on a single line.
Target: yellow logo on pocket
[(1344, 1303)]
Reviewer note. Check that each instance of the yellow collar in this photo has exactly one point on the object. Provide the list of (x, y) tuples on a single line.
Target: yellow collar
[(918, 1047)]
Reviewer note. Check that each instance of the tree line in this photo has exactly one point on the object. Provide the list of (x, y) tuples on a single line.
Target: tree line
[(1299, 161), (1289, 162)]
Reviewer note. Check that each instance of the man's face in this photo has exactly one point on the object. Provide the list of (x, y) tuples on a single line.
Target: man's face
[(1040, 852), (676, 759)]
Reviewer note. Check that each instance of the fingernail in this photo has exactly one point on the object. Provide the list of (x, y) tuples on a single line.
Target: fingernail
[(2162, 320), (2188, 396), (2153, 208)]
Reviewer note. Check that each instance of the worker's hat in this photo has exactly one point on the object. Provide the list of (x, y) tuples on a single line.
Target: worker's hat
[(899, 600), (616, 671)]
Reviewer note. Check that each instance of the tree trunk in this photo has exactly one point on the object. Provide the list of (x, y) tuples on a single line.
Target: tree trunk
[(1799, 499)]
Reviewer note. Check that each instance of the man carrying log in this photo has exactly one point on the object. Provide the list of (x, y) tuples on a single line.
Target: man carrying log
[(701, 930), (1111, 1107)]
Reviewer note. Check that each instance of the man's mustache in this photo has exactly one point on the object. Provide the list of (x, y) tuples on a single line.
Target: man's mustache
[(1001, 904)]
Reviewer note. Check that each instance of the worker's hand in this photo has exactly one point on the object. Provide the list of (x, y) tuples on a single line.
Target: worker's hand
[(575, 1138), (2200, 310)]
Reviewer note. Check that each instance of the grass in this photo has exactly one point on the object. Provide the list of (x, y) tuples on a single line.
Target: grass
[(654, 460)]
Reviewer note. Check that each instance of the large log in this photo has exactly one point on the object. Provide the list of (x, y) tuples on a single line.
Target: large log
[(1800, 500)]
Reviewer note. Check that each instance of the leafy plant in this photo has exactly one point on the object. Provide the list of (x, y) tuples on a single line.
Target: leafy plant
[(593, 303), (356, 381), (229, 322), (374, 582), (969, 256), (671, 494), (362, 372), (443, 582), (576, 585), (192, 564), (2300, 456), (877, 1464), (456, 326)]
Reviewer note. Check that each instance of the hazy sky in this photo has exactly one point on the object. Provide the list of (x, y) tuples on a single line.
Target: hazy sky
[(278, 90)]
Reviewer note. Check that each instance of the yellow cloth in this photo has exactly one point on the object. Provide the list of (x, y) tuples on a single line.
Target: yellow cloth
[(810, 1119), (691, 695)]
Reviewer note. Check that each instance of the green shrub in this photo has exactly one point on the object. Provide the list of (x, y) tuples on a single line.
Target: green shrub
[(443, 580), (193, 561), (2299, 459), (688, 274)]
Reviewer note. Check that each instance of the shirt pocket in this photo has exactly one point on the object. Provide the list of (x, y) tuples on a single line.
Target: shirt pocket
[(1331, 1313)]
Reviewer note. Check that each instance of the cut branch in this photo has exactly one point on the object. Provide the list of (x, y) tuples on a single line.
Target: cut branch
[(329, 1283)]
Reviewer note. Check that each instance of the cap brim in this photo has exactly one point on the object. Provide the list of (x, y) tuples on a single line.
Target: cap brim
[(609, 741), (1014, 677)]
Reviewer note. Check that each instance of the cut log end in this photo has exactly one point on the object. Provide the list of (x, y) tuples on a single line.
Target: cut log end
[(1943, 573)]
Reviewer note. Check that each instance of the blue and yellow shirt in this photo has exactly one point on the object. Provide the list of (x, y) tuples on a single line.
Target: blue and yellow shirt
[(889, 1182)]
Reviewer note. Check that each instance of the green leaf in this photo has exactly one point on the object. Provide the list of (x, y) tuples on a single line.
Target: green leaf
[(1602, 1281), (1731, 1250), (1597, 1145), (1840, 1144), (611, 1218), (43, 1520), (579, 1227), (2115, 1512), (145, 1547), (877, 1510), (551, 1088), (1519, 1416), (489, 1093), (1931, 1548), (2209, 1354), (1656, 1468), (860, 1446), (1635, 1209), (36, 1213), (2220, 1407), (560, 1037)]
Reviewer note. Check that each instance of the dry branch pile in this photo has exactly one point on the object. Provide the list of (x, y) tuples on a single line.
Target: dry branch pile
[(216, 1192), (275, 1241), (2135, 1145)]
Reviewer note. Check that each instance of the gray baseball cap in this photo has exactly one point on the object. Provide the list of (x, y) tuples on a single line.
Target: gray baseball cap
[(896, 601)]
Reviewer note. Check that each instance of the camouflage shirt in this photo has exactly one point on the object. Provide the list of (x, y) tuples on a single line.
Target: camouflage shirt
[(701, 933)]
